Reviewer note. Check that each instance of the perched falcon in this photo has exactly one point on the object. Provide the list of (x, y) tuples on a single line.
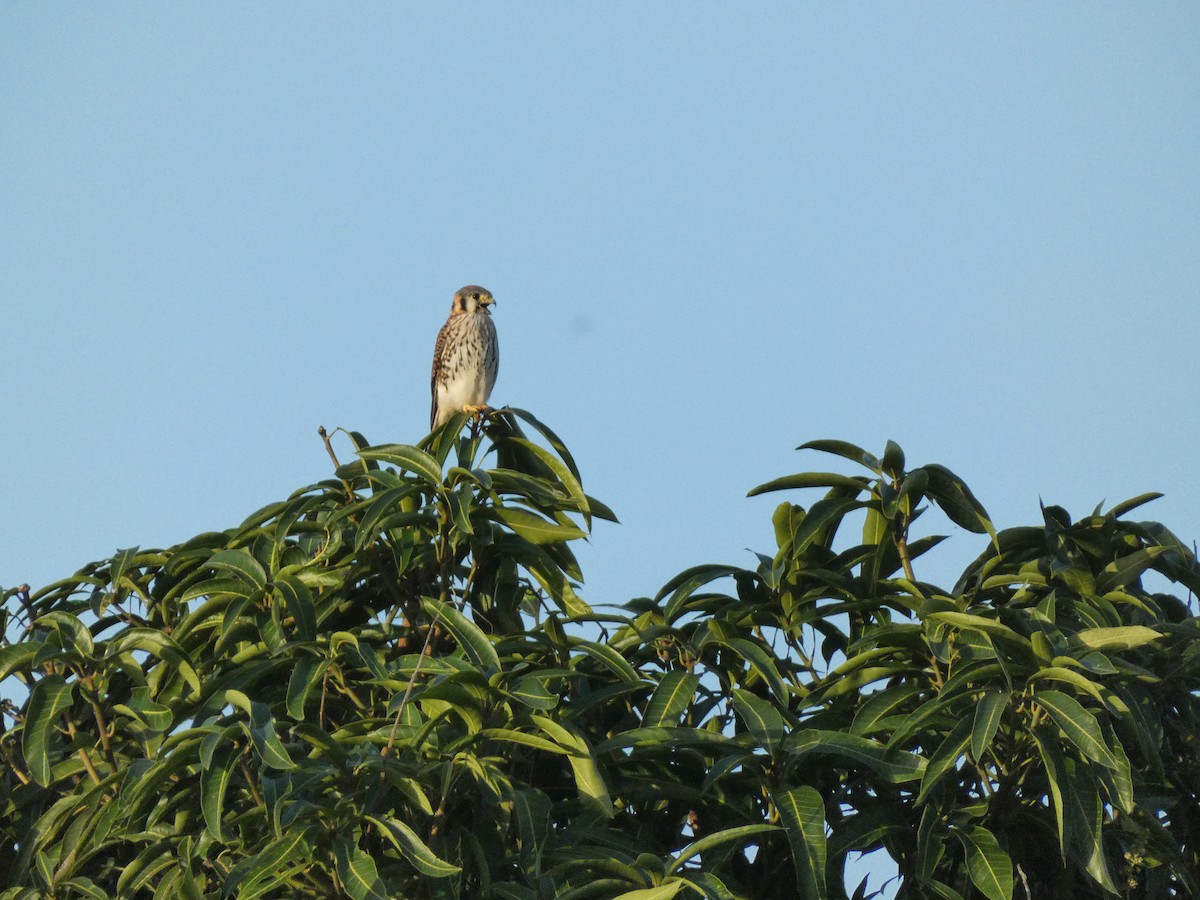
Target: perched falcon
[(466, 357)]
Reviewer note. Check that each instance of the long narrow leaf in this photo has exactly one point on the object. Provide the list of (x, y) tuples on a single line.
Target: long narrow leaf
[(50, 697), (412, 848), (802, 812), (990, 867), (1077, 724), (469, 637)]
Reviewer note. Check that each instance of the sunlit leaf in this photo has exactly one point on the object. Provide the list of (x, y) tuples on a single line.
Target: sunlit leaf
[(412, 848), (467, 634), (410, 459), (590, 783)]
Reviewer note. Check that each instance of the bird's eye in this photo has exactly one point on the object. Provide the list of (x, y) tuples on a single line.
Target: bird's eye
[(474, 296)]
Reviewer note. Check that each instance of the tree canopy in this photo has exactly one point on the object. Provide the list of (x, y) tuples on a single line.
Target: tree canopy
[(388, 685)]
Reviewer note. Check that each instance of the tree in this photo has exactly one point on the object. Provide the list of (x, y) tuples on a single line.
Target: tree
[(387, 686)]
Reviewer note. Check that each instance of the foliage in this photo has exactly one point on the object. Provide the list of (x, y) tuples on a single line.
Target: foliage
[(387, 686)]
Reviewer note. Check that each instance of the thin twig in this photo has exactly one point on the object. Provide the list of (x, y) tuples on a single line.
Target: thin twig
[(258, 798), (336, 465), (412, 683)]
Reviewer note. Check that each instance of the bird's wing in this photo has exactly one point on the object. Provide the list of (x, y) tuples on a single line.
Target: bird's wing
[(438, 350)]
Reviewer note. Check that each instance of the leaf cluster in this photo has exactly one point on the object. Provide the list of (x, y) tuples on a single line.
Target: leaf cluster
[(389, 685)]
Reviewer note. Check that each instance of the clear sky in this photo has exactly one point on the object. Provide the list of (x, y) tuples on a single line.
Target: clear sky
[(713, 231)]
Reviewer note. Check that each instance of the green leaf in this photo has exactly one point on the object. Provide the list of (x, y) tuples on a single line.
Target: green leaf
[(988, 714), (531, 815), (459, 502), (332, 750), (687, 581), (809, 480), (880, 705), (762, 719), (1124, 637), (982, 624), (1133, 503), (955, 499), (802, 812), (299, 602), (845, 450), (73, 634), (567, 476), (307, 672), (214, 781), (588, 780), (532, 691), (1068, 676), (242, 565), (1118, 782), (50, 697), (257, 874), (1120, 572), (1077, 724), (760, 662), (667, 738), (405, 457), (823, 520), (671, 699), (262, 731), (153, 641), (357, 872), (1085, 816), (610, 658), (469, 637), (536, 529), (931, 842), (895, 766), (717, 839), (662, 892), (412, 848), (524, 738), (946, 758), (17, 657), (990, 867), (893, 459), (1056, 777)]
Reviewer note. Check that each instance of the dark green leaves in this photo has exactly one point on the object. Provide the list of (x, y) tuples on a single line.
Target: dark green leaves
[(50, 698), (990, 867), (386, 685), (1079, 725), (802, 812)]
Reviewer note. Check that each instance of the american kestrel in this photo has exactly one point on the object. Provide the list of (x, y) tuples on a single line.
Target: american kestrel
[(465, 358)]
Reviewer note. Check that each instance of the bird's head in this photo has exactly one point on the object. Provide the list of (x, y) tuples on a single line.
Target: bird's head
[(471, 299)]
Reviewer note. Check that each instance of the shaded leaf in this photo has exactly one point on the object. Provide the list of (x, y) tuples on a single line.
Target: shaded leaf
[(1077, 724), (802, 812), (671, 699), (988, 714), (990, 867), (50, 697)]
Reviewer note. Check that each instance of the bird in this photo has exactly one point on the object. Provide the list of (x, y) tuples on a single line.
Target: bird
[(466, 357)]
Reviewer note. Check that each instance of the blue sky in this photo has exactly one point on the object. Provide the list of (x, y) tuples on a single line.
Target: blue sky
[(713, 231)]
